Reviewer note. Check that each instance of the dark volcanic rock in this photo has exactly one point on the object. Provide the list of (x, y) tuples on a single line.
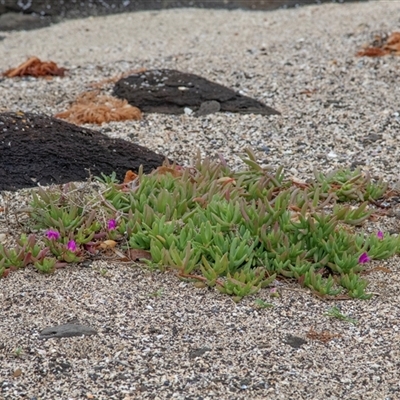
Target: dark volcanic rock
[(55, 10), (40, 149), (169, 92), (83, 8)]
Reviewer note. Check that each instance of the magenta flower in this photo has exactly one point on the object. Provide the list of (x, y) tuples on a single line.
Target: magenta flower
[(380, 235), (71, 246), (112, 224), (363, 258), (274, 292), (53, 234)]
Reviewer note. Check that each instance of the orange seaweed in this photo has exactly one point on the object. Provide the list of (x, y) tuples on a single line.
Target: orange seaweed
[(323, 336), (372, 52), (93, 108), (393, 43), (383, 46), (37, 68), (130, 176)]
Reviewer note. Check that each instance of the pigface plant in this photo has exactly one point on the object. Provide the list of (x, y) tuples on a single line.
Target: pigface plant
[(236, 231)]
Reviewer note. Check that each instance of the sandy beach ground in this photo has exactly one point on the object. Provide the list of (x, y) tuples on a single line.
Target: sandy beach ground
[(159, 338)]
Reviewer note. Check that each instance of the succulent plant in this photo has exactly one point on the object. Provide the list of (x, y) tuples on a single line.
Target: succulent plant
[(236, 231)]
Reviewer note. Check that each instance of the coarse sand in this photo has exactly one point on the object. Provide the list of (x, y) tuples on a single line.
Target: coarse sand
[(159, 338)]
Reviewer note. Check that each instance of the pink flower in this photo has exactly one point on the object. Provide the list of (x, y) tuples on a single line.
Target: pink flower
[(364, 258), (112, 224), (71, 246), (53, 234), (274, 292), (380, 235)]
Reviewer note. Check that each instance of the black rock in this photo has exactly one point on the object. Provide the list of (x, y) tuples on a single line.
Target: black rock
[(37, 148), (169, 91), (84, 8)]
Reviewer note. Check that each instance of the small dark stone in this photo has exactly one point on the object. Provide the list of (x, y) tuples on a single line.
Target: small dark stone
[(64, 365), (265, 149), (356, 164), (168, 91), (86, 264), (208, 107), (295, 341), (93, 377), (142, 388), (59, 366), (67, 330), (371, 138), (175, 331), (198, 352)]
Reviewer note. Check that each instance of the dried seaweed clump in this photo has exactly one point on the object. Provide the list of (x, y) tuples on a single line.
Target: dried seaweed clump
[(383, 46), (37, 68), (93, 108)]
